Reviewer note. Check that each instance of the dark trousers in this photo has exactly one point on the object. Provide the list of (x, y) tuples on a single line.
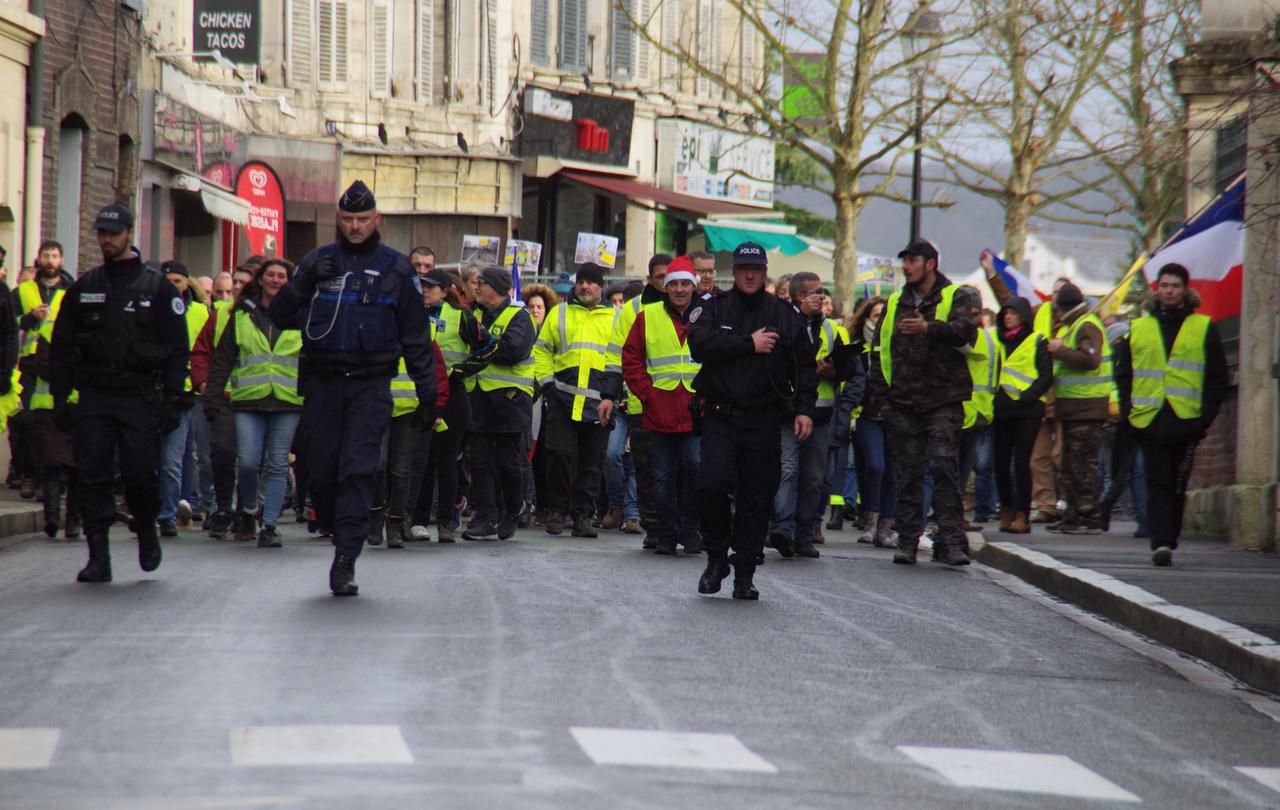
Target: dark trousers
[(674, 461), (641, 440), (928, 442), (875, 468), (1081, 441), (117, 426), (439, 467), (497, 475), (222, 454), (1168, 471), (400, 446), (345, 418), (741, 465), (575, 460), (1015, 439)]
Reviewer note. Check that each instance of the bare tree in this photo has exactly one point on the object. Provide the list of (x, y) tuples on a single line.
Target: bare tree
[(842, 54)]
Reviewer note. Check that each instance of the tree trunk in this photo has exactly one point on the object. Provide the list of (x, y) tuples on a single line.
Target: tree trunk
[(1017, 212), (845, 258)]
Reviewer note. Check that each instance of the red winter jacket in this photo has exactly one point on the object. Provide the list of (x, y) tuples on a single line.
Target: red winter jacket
[(664, 411)]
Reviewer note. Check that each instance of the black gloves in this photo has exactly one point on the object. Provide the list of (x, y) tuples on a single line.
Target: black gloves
[(6, 384), (325, 268), (171, 410), (424, 419)]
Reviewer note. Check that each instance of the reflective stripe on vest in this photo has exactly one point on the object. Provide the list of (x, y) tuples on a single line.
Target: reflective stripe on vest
[(826, 344), (1071, 383), (621, 330), (29, 297), (1177, 379), (1018, 370), (495, 377), (574, 365), (667, 359), (941, 313), (984, 369), (448, 327), (404, 394), (197, 316), (261, 370)]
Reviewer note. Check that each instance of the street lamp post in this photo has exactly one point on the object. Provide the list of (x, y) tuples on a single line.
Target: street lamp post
[(920, 45)]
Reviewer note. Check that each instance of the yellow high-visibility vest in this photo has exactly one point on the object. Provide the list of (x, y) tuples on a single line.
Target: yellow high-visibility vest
[(222, 316), (826, 344), (667, 359), (1018, 370), (197, 316), (29, 297), (1069, 383), (942, 313), (404, 394), (1177, 378), (262, 369), (621, 330), (983, 359), (1044, 319), (570, 352), (496, 377)]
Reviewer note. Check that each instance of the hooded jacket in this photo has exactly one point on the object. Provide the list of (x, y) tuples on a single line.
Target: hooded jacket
[(1028, 405)]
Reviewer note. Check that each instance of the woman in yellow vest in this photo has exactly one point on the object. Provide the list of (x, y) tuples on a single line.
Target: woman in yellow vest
[(1026, 373), (259, 362)]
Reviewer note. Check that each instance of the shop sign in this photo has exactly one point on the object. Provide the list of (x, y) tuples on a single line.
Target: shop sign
[(228, 26), (577, 126), (258, 184), (707, 161)]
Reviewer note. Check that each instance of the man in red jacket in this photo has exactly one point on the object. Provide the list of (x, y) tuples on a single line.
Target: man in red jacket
[(659, 370)]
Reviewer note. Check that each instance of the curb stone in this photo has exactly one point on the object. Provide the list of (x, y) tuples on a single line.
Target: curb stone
[(1252, 658)]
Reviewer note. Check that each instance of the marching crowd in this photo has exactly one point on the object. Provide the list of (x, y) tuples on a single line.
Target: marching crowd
[(385, 401)]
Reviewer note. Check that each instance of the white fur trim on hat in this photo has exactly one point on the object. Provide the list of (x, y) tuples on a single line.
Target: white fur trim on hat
[(680, 275)]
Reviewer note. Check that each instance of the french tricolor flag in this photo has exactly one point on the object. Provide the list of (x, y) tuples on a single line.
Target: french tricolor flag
[(1211, 247), (1017, 283)]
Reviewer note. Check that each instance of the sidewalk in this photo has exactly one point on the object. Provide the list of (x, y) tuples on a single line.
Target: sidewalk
[(18, 518), (1218, 602)]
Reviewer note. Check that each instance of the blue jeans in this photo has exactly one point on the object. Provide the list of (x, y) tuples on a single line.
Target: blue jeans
[(257, 431), (675, 458), (849, 481), (798, 506), (875, 468), (173, 450), (197, 475), (620, 473), (976, 456)]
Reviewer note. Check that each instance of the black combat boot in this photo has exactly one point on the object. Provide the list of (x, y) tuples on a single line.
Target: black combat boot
[(954, 554), (148, 546), (219, 524), (342, 575), (507, 526), (906, 553), (835, 523), (377, 521), (99, 567), (395, 532), (806, 548), (717, 569), (554, 523), (742, 585), (582, 526), (52, 506), (246, 527)]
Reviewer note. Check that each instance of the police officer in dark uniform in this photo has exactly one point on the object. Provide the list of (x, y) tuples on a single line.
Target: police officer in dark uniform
[(359, 307), (758, 370), (120, 341)]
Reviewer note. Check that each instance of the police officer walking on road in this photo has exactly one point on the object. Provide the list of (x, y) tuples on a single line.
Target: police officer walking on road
[(359, 307), (758, 370), (121, 341)]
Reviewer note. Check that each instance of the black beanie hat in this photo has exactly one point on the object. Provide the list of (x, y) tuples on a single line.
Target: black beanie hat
[(1068, 296), (590, 272), (357, 198), (499, 278)]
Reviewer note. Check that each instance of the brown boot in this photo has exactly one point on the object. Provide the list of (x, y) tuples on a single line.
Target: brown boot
[(612, 518), (1020, 524), (1006, 518)]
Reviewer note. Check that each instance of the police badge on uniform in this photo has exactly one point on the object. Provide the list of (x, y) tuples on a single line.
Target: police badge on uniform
[(693, 316)]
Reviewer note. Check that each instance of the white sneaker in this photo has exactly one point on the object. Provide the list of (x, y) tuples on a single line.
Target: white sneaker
[(418, 532), (184, 514)]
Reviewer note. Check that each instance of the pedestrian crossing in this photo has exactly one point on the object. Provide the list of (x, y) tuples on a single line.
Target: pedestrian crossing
[(335, 746)]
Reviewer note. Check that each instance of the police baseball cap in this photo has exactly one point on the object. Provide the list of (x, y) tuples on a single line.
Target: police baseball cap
[(176, 267), (749, 254), (438, 278), (921, 247), (114, 219)]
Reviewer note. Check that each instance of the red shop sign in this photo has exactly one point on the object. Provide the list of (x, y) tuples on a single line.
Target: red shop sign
[(258, 184), (222, 173)]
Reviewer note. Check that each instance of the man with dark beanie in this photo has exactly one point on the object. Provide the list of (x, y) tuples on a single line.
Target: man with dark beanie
[(360, 310), (1082, 393)]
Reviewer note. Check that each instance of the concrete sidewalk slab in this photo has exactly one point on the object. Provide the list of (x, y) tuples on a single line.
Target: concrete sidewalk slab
[(1217, 602)]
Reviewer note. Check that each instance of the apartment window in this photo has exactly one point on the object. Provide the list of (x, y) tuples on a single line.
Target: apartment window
[(333, 45), (709, 45), (573, 35), (671, 44), (380, 48), (71, 138), (302, 43), (540, 47), (491, 51), (1230, 152), (426, 33), (622, 39), (747, 55)]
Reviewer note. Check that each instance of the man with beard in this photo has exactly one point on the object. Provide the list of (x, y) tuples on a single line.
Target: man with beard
[(360, 310)]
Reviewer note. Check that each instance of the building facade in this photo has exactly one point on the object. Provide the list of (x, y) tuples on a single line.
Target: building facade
[(20, 31)]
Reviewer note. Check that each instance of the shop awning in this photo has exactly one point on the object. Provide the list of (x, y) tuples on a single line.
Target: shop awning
[(633, 189), (218, 202), (727, 234)]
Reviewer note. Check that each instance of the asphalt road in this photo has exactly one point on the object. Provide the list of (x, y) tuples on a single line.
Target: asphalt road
[(534, 673)]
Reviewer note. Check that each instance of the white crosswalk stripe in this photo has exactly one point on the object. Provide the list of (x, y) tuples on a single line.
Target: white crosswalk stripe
[(1267, 776), (27, 748), (668, 749), (1018, 772), (319, 745)]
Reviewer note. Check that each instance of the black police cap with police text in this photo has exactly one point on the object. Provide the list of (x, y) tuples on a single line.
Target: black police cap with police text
[(750, 254)]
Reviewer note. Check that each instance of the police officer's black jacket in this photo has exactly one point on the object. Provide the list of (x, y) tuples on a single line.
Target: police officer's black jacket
[(732, 374), (121, 325), (383, 320)]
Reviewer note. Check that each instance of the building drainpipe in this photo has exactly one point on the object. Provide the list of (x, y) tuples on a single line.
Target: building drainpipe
[(33, 195)]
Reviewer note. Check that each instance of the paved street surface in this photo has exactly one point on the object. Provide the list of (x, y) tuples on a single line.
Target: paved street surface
[(566, 673)]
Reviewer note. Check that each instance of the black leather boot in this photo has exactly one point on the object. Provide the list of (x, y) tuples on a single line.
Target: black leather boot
[(98, 568), (342, 576), (717, 569), (835, 523), (377, 521), (52, 506), (742, 585), (148, 546), (395, 532)]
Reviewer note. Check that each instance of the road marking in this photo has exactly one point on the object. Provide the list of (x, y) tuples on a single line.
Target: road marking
[(319, 745), (1267, 776), (668, 749), (27, 748), (1019, 772)]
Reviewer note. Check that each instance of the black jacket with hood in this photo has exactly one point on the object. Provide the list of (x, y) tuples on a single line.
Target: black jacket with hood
[(1028, 404)]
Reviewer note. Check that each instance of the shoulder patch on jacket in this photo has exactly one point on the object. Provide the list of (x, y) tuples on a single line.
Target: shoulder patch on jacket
[(693, 316)]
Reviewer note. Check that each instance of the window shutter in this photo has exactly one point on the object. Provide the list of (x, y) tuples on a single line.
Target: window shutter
[(748, 56), (540, 47), (573, 34), (644, 52), (426, 36), (334, 44), (491, 51), (302, 43), (671, 42), (623, 35), (718, 65), (706, 29), (380, 48)]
